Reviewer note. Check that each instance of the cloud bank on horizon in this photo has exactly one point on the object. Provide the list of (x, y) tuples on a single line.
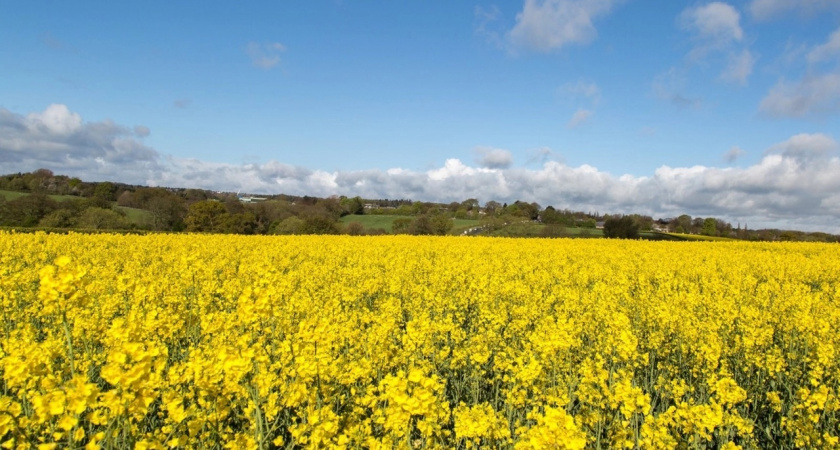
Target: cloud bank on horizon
[(794, 185)]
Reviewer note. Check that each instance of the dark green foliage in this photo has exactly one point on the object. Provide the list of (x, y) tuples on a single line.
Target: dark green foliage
[(621, 228)]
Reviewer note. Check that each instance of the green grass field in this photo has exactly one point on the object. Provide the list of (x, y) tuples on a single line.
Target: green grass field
[(374, 221), (532, 229), (11, 195), (135, 216), (697, 237)]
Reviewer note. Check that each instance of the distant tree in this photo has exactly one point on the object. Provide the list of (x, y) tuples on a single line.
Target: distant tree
[(60, 218), (470, 204), (355, 229), (289, 225), (681, 224), (401, 225), (319, 225), (28, 210), (240, 223), (709, 227), (167, 212), (441, 224), (95, 218), (205, 216), (355, 205), (126, 199), (105, 191), (697, 225), (621, 228), (492, 207), (550, 215), (421, 225), (645, 222)]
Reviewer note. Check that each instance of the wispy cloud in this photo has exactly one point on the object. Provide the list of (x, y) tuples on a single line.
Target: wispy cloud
[(716, 29), (182, 103), (733, 154), (739, 68), (265, 56), (581, 89), (487, 23), (579, 117), (812, 96), (828, 51), (670, 86)]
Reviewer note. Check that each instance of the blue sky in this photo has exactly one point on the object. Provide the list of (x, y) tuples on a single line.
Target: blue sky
[(729, 109)]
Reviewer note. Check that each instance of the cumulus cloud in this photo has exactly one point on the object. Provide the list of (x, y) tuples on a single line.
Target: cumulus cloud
[(815, 95), (265, 56), (827, 51), (794, 185), (58, 137), (579, 117), (546, 25), (769, 9), (733, 154), (493, 158)]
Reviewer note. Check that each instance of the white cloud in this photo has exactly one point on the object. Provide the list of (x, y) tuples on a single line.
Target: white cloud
[(739, 68), (827, 51), (716, 28), (716, 22), (56, 119), (581, 89), (60, 138), (265, 56), (733, 154), (768, 9), (812, 96), (579, 117), (493, 158), (805, 147), (546, 25), (794, 185)]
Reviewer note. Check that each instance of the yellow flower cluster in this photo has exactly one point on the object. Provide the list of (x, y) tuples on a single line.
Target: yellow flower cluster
[(199, 341)]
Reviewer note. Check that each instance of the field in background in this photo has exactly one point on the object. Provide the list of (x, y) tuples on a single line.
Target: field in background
[(374, 221), (11, 195), (698, 237)]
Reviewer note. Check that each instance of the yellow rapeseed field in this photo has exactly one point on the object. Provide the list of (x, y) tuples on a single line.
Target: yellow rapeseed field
[(199, 341)]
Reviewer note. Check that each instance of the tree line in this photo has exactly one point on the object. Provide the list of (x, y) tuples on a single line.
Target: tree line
[(58, 201)]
